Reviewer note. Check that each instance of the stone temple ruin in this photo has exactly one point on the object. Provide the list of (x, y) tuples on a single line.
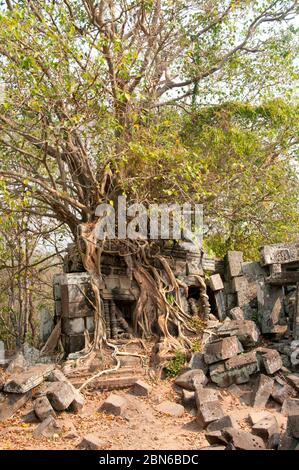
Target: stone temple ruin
[(74, 303), (266, 291)]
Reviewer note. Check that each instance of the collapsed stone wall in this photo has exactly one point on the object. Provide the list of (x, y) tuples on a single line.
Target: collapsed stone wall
[(264, 290), (74, 300)]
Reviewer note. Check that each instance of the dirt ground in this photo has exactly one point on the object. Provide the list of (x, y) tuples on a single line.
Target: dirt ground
[(141, 428)]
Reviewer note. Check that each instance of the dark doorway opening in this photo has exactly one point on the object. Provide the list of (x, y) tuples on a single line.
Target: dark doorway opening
[(212, 301), (193, 292), (126, 308)]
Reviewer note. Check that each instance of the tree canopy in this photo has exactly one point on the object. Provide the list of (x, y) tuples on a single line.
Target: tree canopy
[(157, 99)]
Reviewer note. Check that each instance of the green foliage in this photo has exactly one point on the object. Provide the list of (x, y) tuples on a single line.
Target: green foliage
[(205, 110), (196, 345), (164, 101), (248, 173), (197, 324), (173, 367), (170, 299), (255, 317), (237, 159)]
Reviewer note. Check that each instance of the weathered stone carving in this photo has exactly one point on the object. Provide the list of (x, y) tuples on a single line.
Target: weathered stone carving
[(280, 253)]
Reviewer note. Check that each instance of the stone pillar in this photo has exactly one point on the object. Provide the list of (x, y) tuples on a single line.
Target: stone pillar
[(220, 303), (270, 307), (217, 287), (113, 321), (107, 317), (234, 260), (296, 315)]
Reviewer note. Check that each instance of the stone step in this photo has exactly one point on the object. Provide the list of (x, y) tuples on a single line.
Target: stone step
[(110, 383), (122, 378)]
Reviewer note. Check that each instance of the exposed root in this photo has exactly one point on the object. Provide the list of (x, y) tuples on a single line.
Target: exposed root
[(90, 258), (115, 355), (159, 311), (106, 371)]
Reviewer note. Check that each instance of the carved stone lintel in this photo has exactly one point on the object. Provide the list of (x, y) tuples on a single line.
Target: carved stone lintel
[(280, 253)]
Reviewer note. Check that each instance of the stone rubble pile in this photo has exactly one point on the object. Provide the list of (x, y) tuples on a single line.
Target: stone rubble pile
[(48, 388), (253, 340), (233, 355)]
